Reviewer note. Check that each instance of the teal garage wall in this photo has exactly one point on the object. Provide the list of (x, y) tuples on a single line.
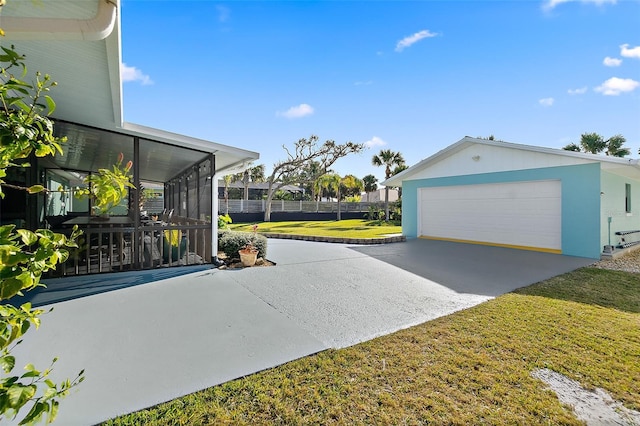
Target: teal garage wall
[(581, 224)]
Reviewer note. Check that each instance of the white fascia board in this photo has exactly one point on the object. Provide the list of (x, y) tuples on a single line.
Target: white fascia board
[(187, 141)]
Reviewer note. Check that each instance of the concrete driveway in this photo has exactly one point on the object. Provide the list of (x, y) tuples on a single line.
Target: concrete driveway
[(145, 344)]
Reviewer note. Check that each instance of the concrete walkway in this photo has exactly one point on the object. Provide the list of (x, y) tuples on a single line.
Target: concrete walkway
[(146, 344)]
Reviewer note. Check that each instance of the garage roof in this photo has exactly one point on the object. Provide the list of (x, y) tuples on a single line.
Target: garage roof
[(77, 42), (623, 166)]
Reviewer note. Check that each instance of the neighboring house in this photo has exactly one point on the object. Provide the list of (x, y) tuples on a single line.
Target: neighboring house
[(257, 190), (527, 197), (378, 195), (78, 43)]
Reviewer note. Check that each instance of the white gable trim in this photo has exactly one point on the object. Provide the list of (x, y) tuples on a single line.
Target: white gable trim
[(472, 156)]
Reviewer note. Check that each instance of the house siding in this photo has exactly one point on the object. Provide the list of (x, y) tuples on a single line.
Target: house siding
[(613, 206), (581, 235)]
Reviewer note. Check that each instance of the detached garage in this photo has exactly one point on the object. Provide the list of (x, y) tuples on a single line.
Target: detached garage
[(504, 194)]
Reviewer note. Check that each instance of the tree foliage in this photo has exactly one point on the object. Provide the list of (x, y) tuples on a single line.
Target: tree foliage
[(289, 170), (370, 184), (593, 143), (108, 187), (390, 160)]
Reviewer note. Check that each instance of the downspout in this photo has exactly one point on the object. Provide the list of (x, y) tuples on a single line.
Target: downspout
[(96, 28), (214, 213)]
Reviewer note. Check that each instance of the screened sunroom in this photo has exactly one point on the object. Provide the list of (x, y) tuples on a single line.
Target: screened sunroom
[(166, 220)]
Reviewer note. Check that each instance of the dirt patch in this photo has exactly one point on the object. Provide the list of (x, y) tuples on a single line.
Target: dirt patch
[(592, 407), (234, 263)]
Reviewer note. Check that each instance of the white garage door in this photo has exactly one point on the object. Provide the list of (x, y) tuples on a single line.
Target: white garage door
[(521, 214)]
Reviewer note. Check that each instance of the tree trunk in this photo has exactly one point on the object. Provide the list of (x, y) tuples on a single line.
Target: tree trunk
[(245, 181), (267, 207), (386, 204), (339, 215), (226, 199)]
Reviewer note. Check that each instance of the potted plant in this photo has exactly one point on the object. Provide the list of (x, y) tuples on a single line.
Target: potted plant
[(174, 245), (108, 188), (248, 255)]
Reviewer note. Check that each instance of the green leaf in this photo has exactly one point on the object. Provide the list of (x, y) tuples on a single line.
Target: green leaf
[(9, 288), (50, 104), (5, 230), (35, 189), (27, 236), (36, 412), (53, 412), (7, 363), (19, 394), (20, 104)]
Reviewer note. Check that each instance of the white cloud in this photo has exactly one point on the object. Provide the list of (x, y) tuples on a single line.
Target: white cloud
[(374, 141), (224, 13), (546, 102), (363, 83), (551, 4), (301, 110), (408, 41), (134, 74), (627, 52), (580, 91), (615, 86), (612, 62)]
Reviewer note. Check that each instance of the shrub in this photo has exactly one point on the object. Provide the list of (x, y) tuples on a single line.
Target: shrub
[(223, 221), (375, 213), (232, 241), (395, 211)]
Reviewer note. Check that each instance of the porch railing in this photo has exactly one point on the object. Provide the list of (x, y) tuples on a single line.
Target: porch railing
[(112, 249)]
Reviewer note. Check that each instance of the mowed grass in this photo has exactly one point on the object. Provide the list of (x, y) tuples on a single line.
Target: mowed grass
[(471, 367), (354, 228)]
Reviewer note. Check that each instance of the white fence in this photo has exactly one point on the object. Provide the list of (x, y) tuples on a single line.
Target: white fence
[(257, 206)]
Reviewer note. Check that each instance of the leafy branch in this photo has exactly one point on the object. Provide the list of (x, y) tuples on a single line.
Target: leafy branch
[(25, 255)]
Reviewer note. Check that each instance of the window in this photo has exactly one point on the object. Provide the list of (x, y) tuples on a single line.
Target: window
[(627, 197), (61, 199)]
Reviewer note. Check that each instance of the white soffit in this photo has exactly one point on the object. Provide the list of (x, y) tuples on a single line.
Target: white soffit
[(65, 45)]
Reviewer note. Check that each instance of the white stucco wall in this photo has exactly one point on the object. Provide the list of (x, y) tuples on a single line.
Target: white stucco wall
[(613, 206), (480, 158)]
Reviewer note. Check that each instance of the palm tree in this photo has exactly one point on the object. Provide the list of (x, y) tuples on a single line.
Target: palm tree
[(251, 174), (614, 146), (370, 184), (351, 186), (331, 182), (387, 158), (572, 147), (311, 173), (593, 143)]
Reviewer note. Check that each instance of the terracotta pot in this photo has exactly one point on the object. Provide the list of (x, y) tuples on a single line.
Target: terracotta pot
[(248, 257)]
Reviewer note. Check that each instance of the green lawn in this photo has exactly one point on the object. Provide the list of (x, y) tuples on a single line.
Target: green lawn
[(471, 367), (354, 228)]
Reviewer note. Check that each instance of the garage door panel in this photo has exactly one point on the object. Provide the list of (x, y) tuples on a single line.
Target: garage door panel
[(526, 214)]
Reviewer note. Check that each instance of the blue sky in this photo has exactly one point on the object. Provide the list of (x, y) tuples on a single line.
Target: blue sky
[(412, 77)]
